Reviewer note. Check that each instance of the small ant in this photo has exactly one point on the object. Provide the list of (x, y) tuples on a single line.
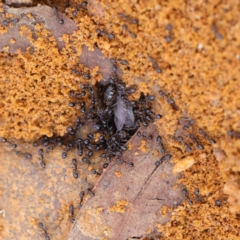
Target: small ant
[(90, 192), (82, 5), (93, 171), (162, 159), (169, 100), (211, 140), (90, 153), (188, 148), (74, 162), (155, 65), (49, 149), (18, 153), (191, 122), (40, 153), (123, 62), (196, 192), (86, 160), (28, 155), (11, 144), (139, 134), (67, 149), (234, 134), (103, 32), (40, 225), (105, 165), (60, 20), (218, 203), (159, 140), (3, 139), (130, 164), (199, 146), (8, 20), (81, 195), (71, 211), (70, 130), (185, 194)]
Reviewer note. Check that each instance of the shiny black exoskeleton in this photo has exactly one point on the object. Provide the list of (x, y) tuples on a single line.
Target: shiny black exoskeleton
[(110, 94)]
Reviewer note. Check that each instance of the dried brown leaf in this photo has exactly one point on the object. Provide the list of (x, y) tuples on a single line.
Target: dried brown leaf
[(95, 58), (128, 200), (41, 14)]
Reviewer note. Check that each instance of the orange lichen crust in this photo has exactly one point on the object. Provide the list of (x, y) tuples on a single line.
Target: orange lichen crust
[(120, 207), (143, 146), (118, 174), (205, 217)]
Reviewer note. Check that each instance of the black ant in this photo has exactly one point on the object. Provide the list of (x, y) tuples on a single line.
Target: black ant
[(60, 20), (40, 153), (187, 147), (18, 153), (74, 162), (3, 139), (190, 123), (166, 157), (169, 100), (8, 20), (130, 164), (211, 140), (90, 192), (71, 211), (155, 65), (10, 144), (234, 134), (40, 225), (105, 165), (196, 192), (93, 171), (185, 194), (139, 134), (28, 155), (81, 195), (159, 140), (82, 5), (86, 160), (105, 33), (67, 149), (218, 203), (199, 146)]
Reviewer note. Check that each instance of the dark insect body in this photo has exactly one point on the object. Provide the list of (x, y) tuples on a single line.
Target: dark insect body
[(162, 148), (75, 173), (60, 20), (199, 146), (139, 134), (166, 157), (211, 140), (93, 171), (197, 197), (28, 155), (40, 225), (218, 203), (42, 162), (90, 192), (185, 194), (81, 195), (71, 213), (130, 164), (234, 134)]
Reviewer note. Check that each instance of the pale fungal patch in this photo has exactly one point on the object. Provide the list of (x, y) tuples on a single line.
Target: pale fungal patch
[(183, 164)]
